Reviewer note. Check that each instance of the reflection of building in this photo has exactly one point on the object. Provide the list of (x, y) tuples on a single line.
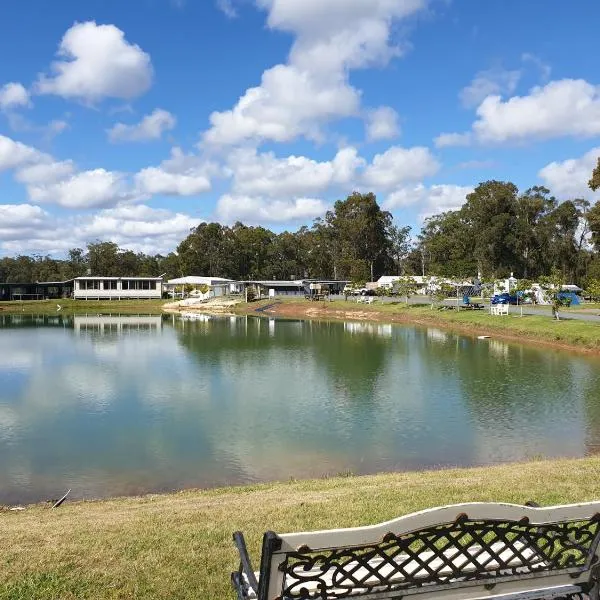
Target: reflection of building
[(371, 328), (115, 324), (117, 288)]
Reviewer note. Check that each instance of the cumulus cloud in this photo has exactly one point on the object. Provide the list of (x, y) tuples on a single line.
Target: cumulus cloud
[(13, 95), (96, 62), (87, 189), (430, 200), (180, 175), (492, 82), (155, 180), (382, 124), (16, 154), (151, 127), (264, 174), (568, 179), (399, 165), (452, 139), (20, 222), (139, 221), (564, 108), (45, 172), (298, 98), (252, 209), (27, 228)]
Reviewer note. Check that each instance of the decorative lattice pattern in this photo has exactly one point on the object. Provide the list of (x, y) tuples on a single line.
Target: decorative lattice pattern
[(453, 554)]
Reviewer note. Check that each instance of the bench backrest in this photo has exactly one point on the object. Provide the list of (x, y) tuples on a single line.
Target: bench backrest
[(460, 551)]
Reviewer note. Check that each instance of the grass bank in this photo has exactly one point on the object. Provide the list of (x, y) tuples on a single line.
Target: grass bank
[(578, 335), (68, 306), (179, 545)]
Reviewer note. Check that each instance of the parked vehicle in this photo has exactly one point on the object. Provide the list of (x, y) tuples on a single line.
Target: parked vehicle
[(505, 298)]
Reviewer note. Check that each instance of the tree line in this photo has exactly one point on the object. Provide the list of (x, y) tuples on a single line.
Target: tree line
[(497, 231)]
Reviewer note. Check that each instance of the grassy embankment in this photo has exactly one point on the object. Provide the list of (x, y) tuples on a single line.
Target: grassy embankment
[(582, 335), (46, 307), (179, 545)]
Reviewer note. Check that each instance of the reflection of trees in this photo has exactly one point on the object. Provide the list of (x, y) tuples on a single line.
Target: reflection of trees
[(237, 338), (353, 355), (589, 382), (523, 400)]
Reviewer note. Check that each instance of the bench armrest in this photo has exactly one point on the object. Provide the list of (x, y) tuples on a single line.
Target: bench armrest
[(244, 579)]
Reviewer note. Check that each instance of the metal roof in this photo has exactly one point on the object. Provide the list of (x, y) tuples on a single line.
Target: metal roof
[(95, 278)]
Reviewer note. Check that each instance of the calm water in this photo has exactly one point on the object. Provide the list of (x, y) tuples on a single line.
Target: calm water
[(118, 405)]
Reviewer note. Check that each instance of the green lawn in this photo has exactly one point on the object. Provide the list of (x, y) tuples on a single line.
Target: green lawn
[(39, 307), (179, 545)]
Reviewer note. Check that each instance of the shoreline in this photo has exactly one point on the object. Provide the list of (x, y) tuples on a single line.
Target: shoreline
[(578, 336), (179, 545), (470, 324)]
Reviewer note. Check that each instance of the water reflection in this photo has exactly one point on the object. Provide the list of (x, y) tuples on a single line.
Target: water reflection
[(123, 404)]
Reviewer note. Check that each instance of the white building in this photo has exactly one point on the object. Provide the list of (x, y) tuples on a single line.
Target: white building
[(117, 288), (217, 286)]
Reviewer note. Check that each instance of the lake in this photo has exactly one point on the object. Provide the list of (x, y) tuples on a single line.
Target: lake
[(115, 405)]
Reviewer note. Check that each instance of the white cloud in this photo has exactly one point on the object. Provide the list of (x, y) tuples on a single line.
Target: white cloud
[(568, 179), (180, 175), (492, 82), (544, 68), (260, 210), (139, 221), (398, 165), (300, 97), (151, 127), (452, 139), (26, 228), (155, 180), (87, 189), (288, 103), (22, 222), (96, 61), (13, 95), (16, 154), (564, 108), (382, 124), (265, 175), (45, 172), (227, 8), (430, 200)]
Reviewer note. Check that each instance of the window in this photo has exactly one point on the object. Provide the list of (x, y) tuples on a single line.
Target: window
[(89, 284), (110, 284)]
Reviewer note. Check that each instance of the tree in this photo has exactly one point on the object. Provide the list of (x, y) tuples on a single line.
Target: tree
[(594, 182), (359, 233), (400, 245), (438, 292), (552, 284), (103, 259), (491, 213), (593, 219), (405, 286), (593, 289)]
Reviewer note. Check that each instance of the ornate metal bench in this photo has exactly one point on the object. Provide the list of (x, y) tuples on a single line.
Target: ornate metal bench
[(459, 552)]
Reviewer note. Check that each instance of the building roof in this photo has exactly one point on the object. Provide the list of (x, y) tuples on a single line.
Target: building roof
[(95, 278), (199, 280)]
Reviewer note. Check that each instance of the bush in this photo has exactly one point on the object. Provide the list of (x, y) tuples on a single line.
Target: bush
[(250, 294)]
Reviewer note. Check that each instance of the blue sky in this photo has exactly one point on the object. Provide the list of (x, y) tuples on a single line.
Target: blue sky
[(134, 121)]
